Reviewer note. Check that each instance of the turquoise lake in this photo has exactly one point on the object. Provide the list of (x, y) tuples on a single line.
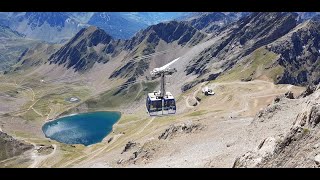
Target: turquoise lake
[(86, 128)]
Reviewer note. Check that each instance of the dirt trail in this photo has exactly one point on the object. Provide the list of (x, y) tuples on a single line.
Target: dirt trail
[(144, 127), (37, 112), (194, 96)]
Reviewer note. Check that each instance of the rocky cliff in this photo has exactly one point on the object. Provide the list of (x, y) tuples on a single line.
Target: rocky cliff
[(10, 147), (298, 147)]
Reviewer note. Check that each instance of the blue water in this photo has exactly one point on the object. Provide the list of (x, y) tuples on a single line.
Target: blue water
[(86, 128)]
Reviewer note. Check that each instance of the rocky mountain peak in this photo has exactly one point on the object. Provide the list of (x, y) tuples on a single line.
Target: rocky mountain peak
[(171, 31), (80, 53), (92, 36), (36, 19), (300, 54), (210, 21)]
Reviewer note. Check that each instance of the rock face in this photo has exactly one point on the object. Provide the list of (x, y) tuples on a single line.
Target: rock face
[(210, 22), (295, 45), (139, 153), (172, 31), (129, 146), (10, 147), (310, 89), (93, 45), (300, 54), (144, 153), (288, 95), (79, 53), (242, 38), (45, 149), (179, 129), (35, 56), (299, 147), (253, 158)]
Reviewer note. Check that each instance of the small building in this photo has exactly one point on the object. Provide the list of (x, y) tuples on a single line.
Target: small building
[(207, 91), (73, 100)]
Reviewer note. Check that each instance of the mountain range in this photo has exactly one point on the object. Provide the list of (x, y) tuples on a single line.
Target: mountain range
[(58, 27), (241, 40)]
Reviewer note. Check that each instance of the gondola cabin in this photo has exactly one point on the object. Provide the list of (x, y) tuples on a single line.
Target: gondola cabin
[(155, 105)]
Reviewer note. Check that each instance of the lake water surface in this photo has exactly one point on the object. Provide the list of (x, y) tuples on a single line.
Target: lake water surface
[(85, 128)]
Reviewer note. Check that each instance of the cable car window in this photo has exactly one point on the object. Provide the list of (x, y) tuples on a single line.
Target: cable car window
[(170, 104)]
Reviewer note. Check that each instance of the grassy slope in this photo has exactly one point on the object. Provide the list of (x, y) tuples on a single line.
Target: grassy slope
[(11, 50), (257, 64), (108, 100)]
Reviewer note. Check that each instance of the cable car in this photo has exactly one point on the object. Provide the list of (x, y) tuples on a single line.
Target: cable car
[(161, 101), (154, 103)]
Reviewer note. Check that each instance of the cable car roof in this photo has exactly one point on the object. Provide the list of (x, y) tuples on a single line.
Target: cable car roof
[(153, 96)]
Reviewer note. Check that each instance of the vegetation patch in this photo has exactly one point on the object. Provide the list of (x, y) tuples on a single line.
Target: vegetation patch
[(259, 63), (133, 93), (197, 113)]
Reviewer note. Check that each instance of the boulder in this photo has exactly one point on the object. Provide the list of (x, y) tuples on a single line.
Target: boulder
[(289, 95), (317, 159), (109, 140), (129, 146)]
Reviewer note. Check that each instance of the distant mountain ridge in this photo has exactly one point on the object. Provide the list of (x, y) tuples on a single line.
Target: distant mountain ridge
[(58, 27), (269, 45), (93, 44), (6, 32)]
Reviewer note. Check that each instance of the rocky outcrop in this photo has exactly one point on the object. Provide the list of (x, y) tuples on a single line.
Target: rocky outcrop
[(299, 147), (253, 158), (144, 153), (183, 128), (129, 146), (10, 146), (309, 90), (288, 95), (140, 153), (45, 149), (300, 54), (268, 112)]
